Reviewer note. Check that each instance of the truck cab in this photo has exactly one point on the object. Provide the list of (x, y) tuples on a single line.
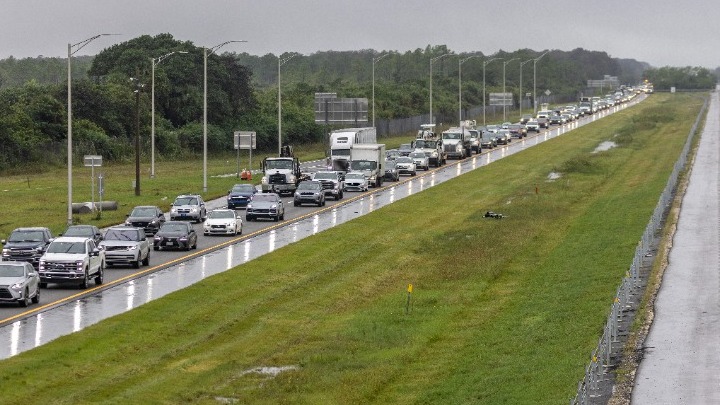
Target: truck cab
[(280, 174), (433, 149), (456, 142)]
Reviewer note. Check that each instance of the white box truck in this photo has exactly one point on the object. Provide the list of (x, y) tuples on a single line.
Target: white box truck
[(370, 160), (342, 140)]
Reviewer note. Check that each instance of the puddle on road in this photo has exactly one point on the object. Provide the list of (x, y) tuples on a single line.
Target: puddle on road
[(46, 326)]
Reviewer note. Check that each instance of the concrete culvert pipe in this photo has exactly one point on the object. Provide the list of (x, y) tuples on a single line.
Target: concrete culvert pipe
[(86, 207)]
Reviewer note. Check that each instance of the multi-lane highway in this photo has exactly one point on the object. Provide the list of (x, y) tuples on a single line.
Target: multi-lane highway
[(57, 295)]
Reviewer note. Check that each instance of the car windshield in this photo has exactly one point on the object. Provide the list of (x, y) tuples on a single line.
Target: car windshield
[(66, 247), (265, 197), (355, 176), (404, 159), (186, 201), (340, 152), (26, 236), (405, 146), (420, 155), (420, 144), (243, 188), (143, 212), (83, 231), (307, 185), (363, 165), (121, 234), (10, 270), (389, 164), (217, 214), (326, 175), (170, 227), (279, 164), (451, 135)]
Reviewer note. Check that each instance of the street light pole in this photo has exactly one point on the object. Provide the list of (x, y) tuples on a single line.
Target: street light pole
[(375, 60), (77, 47), (505, 63), (155, 61), (520, 95), (460, 62), (205, 56), (485, 63), (535, 61), (432, 60), (281, 61), (138, 88)]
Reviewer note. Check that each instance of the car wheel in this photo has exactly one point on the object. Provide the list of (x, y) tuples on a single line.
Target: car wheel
[(36, 298), (282, 216), (42, 285), (413, 173), (187, 247), (99, 277), (85, 281), (25, 301), (146, 261), (194, 246), (156, 248), (136, 263), (297, 204), (248, 218)]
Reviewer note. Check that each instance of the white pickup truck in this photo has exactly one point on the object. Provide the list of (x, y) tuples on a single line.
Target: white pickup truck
[(72, 260)]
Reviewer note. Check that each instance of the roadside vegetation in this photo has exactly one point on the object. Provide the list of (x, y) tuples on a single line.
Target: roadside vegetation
[(502, 310)]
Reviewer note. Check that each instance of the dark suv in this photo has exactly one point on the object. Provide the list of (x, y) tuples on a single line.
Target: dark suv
[(26, 245), (310, 192)]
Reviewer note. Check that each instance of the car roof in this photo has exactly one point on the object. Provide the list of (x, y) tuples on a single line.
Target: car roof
[(31, 228), (176, 223), (124, 228)]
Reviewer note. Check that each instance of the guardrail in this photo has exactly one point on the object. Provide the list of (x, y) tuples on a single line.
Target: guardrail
[(633, 284)]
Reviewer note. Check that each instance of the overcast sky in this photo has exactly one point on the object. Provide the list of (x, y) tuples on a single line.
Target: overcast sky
[(674, 33)]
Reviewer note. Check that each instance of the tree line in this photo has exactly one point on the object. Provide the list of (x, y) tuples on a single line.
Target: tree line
[(242, 93)]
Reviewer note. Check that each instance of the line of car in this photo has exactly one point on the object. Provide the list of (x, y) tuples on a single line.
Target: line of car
[(32, 258)]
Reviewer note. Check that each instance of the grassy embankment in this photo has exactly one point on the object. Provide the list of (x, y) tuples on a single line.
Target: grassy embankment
[(503, 311)]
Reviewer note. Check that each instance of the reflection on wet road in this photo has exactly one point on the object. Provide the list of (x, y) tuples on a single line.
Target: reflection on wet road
[(48, 325)]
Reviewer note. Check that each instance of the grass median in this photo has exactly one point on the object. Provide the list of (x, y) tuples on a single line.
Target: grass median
[(502, 310)]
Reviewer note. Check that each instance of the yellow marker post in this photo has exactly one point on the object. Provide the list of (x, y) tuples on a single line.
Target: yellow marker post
[(407, 304)]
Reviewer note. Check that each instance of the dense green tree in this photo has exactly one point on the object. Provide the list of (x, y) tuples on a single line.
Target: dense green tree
[(242, 93)]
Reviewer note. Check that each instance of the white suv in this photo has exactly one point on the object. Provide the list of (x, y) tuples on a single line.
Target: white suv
[(126, 245), (188, 206)]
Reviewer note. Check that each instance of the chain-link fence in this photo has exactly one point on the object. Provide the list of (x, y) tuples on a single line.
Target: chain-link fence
[(607, 354)]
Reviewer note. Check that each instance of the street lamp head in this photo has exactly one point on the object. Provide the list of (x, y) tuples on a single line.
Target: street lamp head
[(216, 47)]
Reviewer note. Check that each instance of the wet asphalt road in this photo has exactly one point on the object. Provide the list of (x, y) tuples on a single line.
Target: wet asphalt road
[(681, 362), (64, 309)]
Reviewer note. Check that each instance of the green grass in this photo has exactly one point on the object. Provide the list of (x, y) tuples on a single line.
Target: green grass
[(503, 311)]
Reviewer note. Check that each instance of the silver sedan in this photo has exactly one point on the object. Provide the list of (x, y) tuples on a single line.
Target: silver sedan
[(19, 282)]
